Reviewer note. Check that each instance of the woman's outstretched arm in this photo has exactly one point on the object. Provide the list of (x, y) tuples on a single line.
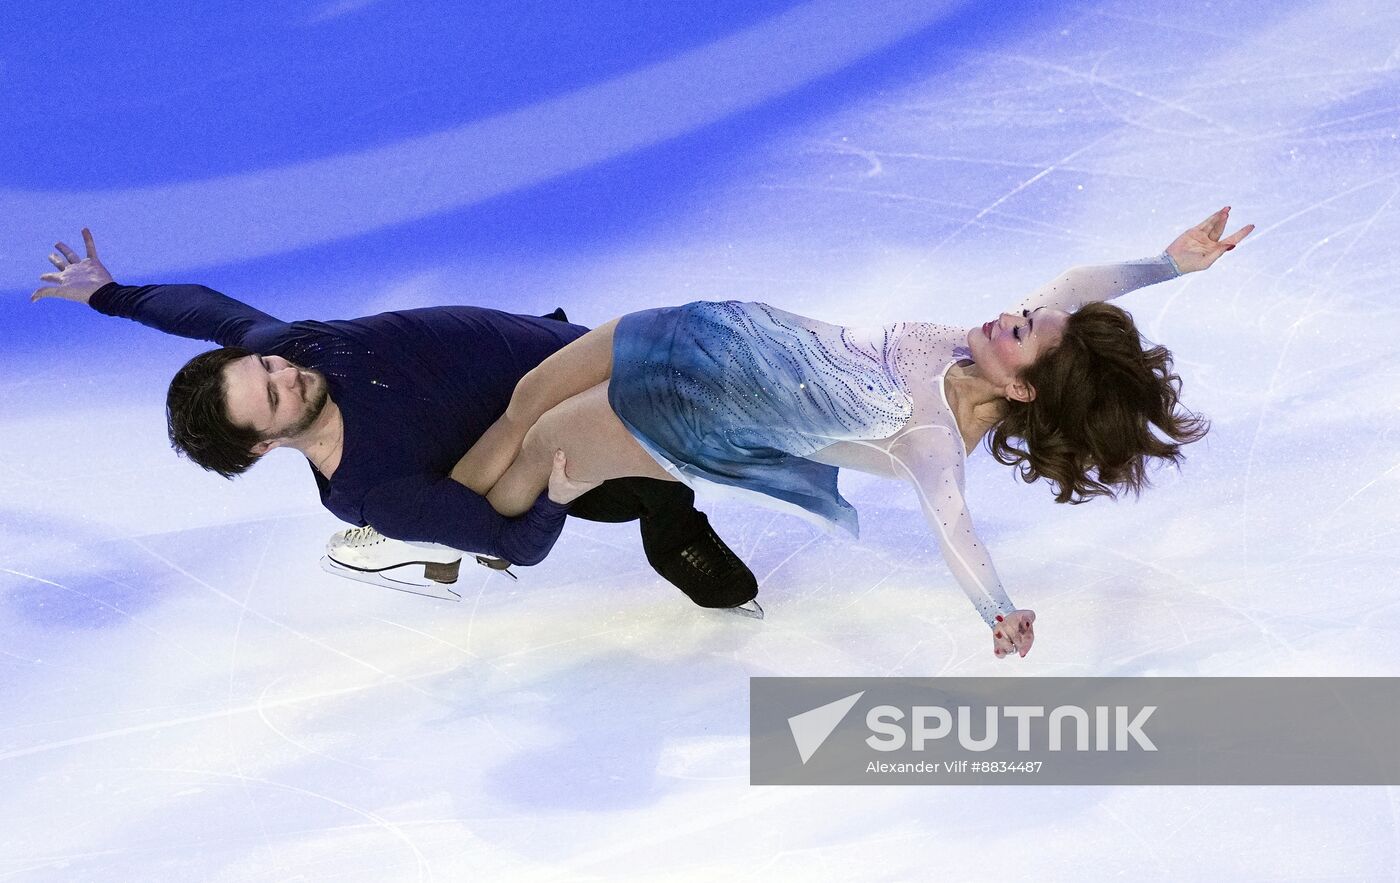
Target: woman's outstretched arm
[(581, 365), (927, 458), (1078, 286), (1195, 249)]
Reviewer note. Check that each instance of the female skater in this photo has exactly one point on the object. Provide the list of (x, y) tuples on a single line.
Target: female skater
[(756, 399)]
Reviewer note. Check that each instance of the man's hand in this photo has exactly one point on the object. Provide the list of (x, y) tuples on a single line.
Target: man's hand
[(1197, 248), (562, 488), (76, 279), (1013, 633)]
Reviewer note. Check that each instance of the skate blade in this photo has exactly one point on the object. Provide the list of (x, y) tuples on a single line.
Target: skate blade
[(751, 609), (500, 565), (392, 578)]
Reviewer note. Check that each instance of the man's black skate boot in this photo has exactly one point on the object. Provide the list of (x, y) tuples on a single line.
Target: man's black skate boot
[(695, 560)]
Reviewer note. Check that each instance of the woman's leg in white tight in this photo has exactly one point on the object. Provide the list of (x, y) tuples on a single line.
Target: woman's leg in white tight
[(578, 367), (596, 447)]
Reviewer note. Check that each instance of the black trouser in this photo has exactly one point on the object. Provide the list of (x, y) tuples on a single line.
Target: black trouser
[(676, 537), (667, 508)]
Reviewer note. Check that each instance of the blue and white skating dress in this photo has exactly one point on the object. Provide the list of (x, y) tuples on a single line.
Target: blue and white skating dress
[(737, 396)]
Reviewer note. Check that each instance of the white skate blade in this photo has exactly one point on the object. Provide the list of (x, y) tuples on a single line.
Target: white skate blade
[(751, 609), (406, 578)]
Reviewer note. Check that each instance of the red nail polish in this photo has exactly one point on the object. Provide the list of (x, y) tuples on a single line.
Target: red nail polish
[(998, 617), (997, 634)]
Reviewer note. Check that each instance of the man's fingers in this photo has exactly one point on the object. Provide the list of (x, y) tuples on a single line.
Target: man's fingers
[(51, 277), (41, 293), (68, 253), (88, 244), (560, 468), (57, 261), (562, 486)]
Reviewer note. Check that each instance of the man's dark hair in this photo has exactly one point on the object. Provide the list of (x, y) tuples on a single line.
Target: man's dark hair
[(196, 415)]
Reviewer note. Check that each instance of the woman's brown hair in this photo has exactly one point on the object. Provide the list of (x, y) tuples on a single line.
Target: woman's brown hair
[(1099, 392)]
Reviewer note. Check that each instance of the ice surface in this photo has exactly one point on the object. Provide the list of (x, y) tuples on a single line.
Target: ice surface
[(187, 696)]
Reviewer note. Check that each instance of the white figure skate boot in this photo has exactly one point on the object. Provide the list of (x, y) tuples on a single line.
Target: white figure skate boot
[(366, 555)]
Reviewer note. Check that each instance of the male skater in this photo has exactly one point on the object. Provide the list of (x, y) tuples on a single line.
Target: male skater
[(382, 407)]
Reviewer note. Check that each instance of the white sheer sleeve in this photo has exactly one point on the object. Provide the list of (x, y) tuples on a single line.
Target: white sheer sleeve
[(1100, 282), (931, 458)]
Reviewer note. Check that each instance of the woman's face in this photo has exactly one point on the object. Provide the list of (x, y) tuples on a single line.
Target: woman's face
[(1005, 346)]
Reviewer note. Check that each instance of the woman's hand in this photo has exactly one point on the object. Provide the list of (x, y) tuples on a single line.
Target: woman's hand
[(1198, 248), (562, 488), (1013, 633), (77, 279)]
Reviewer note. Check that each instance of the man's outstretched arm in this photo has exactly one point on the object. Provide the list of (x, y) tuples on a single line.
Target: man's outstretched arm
[(184, 310)]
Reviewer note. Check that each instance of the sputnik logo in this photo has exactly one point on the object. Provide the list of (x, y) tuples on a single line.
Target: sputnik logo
[(811, 728)]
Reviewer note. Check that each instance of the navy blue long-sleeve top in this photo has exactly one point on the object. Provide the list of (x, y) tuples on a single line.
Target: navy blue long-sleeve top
[(416, 388)]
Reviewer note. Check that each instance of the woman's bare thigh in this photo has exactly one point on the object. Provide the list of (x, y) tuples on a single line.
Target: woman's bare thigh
[(594, 440), (596, 446)]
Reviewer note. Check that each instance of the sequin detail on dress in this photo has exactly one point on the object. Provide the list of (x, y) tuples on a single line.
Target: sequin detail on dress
[(740, 393)]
